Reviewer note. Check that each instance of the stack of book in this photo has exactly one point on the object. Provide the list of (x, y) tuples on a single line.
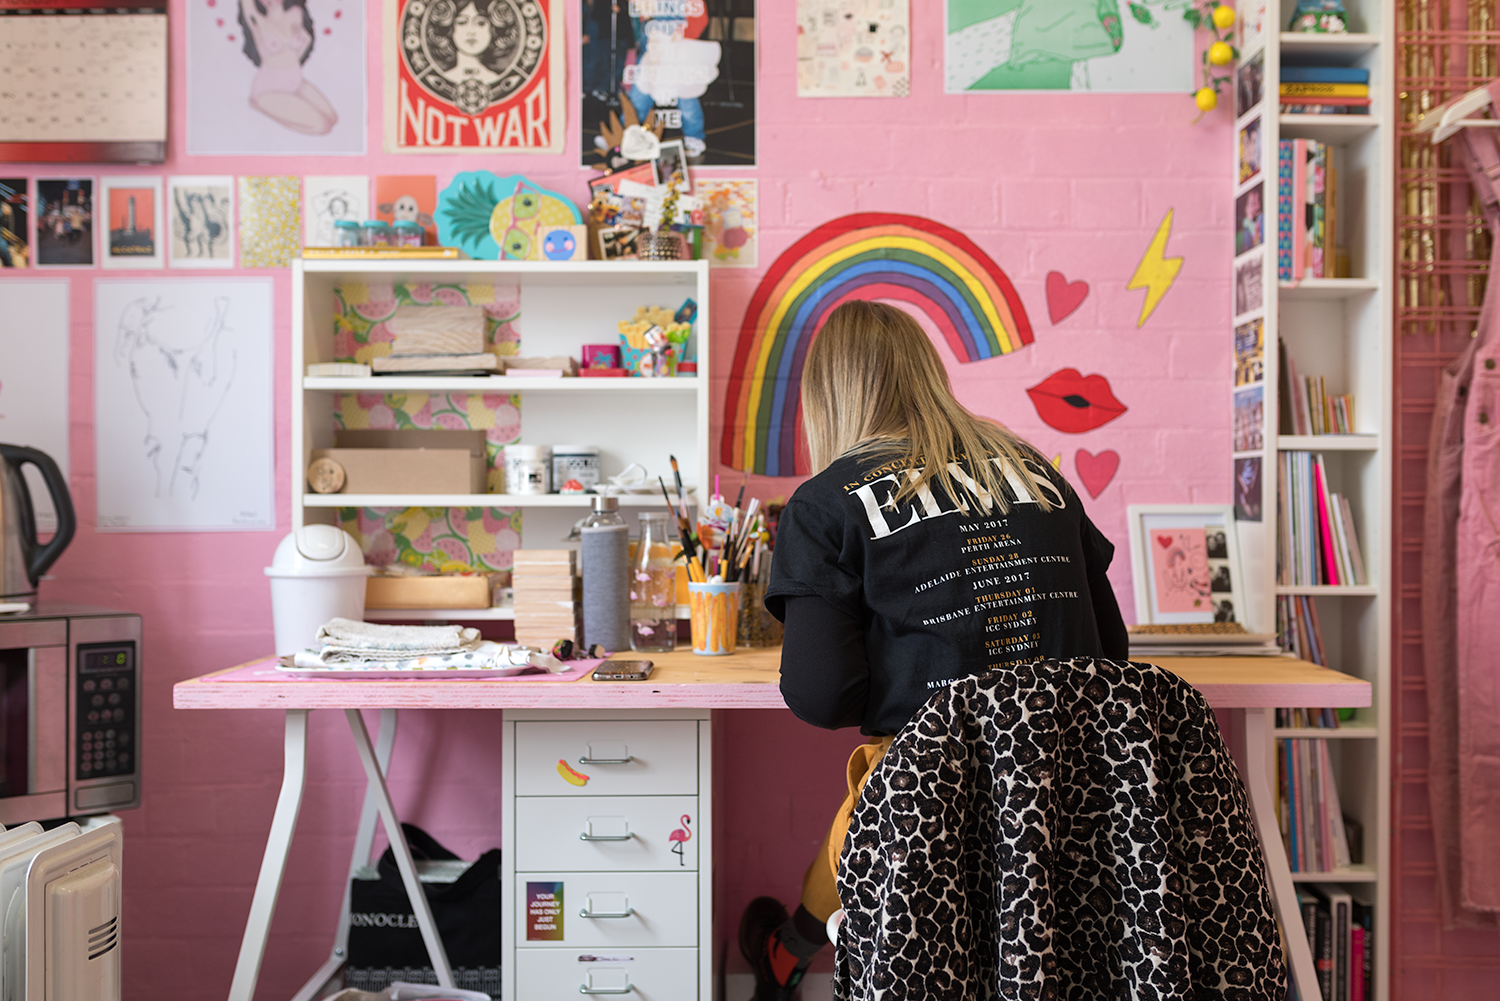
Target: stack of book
[(1317, 541), (1312, 823), (1298, 633), (546, 597), (1325, 90), (1306, 405), (1341, 934), (1306, 210)]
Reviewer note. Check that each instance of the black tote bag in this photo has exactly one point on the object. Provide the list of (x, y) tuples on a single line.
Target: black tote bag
[(385, 943)]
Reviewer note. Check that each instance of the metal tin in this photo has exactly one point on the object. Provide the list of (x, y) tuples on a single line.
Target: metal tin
[(528, 469), (577, 463)]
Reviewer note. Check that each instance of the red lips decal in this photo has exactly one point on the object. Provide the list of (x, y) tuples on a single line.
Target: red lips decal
[(1074, 403)]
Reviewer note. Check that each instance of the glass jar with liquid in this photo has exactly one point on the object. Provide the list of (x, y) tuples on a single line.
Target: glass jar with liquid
[(653, 589)]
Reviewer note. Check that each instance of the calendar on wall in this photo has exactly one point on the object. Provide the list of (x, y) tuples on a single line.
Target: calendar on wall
[(83, 84)]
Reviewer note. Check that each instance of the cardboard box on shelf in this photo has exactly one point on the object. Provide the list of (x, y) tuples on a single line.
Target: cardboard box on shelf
[(442, 591), (408, 461)]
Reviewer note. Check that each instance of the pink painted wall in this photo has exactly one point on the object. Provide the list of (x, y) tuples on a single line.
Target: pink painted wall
[(1041, 182)]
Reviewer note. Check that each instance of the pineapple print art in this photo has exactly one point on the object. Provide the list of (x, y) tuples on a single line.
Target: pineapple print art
[(500, 218)]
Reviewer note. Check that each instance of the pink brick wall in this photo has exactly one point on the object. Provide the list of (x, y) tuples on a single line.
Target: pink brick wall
[(1041, 182)]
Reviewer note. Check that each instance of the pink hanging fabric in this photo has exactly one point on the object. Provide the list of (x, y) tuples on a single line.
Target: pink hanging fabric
[(1461, 591)]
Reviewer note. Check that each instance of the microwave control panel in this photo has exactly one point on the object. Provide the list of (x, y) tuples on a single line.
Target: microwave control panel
[(106, 698)]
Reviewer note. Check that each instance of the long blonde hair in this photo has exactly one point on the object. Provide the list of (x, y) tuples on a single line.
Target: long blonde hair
[(874, 384)]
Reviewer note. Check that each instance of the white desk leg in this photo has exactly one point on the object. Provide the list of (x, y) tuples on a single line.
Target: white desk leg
[(364, 839), (399, 848), (278, 842), (1283, 890)]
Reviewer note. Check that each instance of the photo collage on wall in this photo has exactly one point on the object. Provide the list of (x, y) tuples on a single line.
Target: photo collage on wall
[(1249, 285)]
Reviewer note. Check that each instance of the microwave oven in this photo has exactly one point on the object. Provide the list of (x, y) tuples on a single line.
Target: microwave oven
[(70, 710)]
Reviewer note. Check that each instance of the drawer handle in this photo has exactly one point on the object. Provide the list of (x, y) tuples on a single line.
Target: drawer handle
[(585, 989), (586, 760), (584, 912), (586, 836)]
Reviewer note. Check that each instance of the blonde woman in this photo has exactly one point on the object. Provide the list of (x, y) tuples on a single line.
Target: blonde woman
[(930, 544)]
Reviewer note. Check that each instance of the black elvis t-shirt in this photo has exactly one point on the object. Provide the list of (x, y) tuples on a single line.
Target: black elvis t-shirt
[(941, 593)]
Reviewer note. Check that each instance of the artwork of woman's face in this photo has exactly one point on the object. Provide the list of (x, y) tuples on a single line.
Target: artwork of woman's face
[(472, 31)]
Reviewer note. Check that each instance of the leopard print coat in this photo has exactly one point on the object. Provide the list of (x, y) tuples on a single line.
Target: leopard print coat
[(1060, 830)]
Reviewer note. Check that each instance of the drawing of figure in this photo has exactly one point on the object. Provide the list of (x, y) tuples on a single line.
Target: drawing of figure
[(180, 379), (473, 53), (329, 207), (278, 40), (201, 222)]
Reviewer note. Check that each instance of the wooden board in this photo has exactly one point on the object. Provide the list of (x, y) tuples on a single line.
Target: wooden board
[(746, 679)]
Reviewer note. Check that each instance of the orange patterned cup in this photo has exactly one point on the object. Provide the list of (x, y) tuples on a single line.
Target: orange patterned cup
[(716, 616)]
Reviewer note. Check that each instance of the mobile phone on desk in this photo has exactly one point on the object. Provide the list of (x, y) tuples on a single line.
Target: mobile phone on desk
[(623, 670)]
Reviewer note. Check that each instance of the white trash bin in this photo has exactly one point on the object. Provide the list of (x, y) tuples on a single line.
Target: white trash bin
[(317, 574)]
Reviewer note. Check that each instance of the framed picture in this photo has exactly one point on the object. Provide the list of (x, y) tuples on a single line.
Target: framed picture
[(1185, 561), (201, 213), (1248, 293), (1249, 83), (618, 243), (65, 222), (1249, 221), (671, 160), (133, 211)]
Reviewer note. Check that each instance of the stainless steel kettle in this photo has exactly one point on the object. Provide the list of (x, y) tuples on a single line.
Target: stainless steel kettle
[(22, 559)]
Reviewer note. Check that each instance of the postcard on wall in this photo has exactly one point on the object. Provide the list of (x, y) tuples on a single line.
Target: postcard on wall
[(200, 214), (329, 200), (1249, 84), (1248, 293), (1249, 352), (488, 76), (1249, 405), (1249, 150), (858, 49), (65, 222), (282, 78), (408, 198), (1075, 45), (270, 221), (1249, 220), (15, 222), (668, 60), (133, 214), (183, 405), (1247, 489), (34, 390), (731, 222)]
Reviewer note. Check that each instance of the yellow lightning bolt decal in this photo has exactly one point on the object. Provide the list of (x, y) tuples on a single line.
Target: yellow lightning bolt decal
[(1156, 272), (1057, 462)]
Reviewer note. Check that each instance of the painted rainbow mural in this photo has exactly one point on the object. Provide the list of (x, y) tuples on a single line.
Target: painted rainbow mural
[(869, 255)]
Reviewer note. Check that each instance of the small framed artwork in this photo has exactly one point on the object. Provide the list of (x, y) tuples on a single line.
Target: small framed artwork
[(1249, 409), (618, 243), (201, 210), (1249, 150), (15, 222), (1249, 83), (1185, 561), (1247, 488), (65, 222), (133, 214), (673, 160), (1248, 293), (1249, 221)]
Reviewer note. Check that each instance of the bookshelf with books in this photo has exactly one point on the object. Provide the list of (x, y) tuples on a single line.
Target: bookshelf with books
[(1313, 293)]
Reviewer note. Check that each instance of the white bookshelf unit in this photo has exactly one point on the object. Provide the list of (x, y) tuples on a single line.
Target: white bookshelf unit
[(563, 305), (1339, 328)]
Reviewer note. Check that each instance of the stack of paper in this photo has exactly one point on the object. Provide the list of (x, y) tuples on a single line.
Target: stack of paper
[(546, 602), (1208, 639)]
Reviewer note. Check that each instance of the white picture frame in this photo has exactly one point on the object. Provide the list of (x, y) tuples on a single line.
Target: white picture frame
[(182, 219), (1171, 581), (148, 252)]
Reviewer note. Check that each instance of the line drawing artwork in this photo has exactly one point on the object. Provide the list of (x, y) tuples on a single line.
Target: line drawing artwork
[(183, 396), (202, 222), (179, 392)]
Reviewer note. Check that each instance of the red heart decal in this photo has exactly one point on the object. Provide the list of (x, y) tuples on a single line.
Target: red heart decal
[(1063, 296), (219, 22), (1165, 541), (1096, 471)]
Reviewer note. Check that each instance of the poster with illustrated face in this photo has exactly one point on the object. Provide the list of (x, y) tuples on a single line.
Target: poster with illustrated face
[(269, 77), (408, 198), (474, 75), (669, 63)]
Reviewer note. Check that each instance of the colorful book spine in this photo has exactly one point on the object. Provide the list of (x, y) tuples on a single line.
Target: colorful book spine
[(1325, 74), (1299, 208), (1285, 151), (1311, 89)]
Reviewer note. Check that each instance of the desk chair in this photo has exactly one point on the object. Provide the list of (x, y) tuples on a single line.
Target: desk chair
[(1071, 829)]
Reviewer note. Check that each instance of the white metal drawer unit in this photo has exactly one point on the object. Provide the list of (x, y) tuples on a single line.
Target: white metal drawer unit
[(606, 884)]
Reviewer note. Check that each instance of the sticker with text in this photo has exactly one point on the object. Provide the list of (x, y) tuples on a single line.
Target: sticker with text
[(544, 912)]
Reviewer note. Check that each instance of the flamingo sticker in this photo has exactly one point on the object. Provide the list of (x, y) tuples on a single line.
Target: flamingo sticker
[(680, 837)]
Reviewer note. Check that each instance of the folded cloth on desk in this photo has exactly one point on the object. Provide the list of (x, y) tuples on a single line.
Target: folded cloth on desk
[(485, 655), (347, 640)]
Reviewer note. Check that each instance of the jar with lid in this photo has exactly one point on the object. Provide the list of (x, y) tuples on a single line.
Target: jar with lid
[(375, 233), (575, 468), (528, 469), (345, 233), (653, 589), (407, 234)]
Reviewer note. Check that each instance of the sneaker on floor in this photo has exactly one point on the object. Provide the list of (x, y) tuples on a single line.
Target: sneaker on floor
[(777, 971)]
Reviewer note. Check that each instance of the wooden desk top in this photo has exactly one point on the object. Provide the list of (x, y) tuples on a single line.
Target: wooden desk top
[(746, 679)]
